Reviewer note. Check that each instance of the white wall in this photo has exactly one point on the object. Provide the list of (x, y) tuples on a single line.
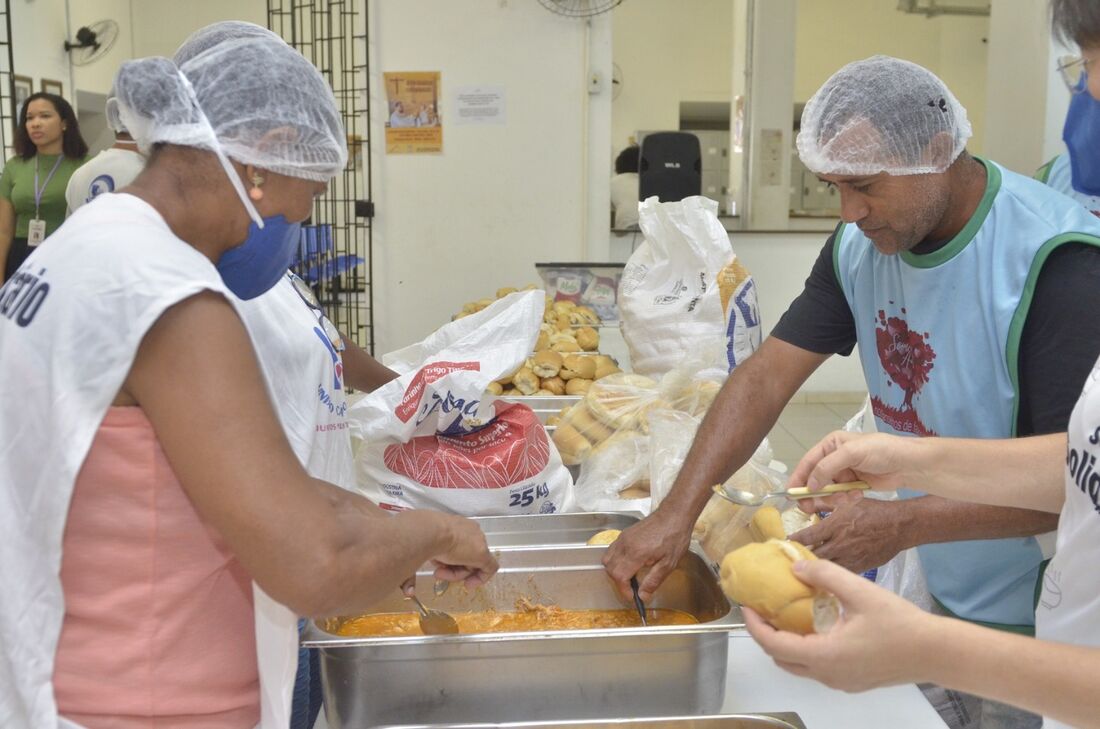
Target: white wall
[(160, 26), (454, 227), (97, 76), (39, 33), (832, 33), (669, 52), (1027, 101)]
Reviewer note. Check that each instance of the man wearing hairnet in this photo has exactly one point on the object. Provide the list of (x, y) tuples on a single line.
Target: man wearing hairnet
[(970, 292)]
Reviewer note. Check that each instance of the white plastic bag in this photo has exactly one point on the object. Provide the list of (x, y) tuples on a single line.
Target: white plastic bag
[(435, 438), (684, 286), (903, 575)]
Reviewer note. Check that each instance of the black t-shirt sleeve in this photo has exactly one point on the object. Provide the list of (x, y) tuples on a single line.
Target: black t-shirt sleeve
[(820, 320), (1061, 339)]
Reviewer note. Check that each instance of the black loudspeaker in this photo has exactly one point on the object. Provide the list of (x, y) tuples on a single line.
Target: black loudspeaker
[(671, 166)]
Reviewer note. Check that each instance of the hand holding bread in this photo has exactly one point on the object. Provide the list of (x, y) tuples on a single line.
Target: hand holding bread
[(759, 576), (877, 642)]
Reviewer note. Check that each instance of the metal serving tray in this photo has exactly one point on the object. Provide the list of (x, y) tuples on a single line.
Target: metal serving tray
[(781, 720), (538, 675), (558, 530)]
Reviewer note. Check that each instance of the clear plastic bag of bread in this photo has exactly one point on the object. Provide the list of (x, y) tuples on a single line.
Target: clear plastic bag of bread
[(620, 404), (616, 478), (612, 410), (723, 526)]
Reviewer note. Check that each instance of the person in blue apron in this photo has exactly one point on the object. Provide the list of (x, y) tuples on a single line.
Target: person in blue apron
[(883, 640), (48, 149), (970, 293)]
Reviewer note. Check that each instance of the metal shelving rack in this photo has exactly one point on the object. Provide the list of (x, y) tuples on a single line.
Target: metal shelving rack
[(332, 34), (9, 115)]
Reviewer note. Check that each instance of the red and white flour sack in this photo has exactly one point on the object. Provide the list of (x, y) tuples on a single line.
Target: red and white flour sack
[(435, 439)]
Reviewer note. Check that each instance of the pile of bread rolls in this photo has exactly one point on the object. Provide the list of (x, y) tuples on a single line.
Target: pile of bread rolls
[(547, 372), (568, 328), (473, 307)]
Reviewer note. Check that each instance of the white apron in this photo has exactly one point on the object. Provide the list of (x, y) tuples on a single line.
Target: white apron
[(71, 321)]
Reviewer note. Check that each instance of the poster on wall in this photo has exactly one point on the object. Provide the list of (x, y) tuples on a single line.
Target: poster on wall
[(413, 124), (479, 105)]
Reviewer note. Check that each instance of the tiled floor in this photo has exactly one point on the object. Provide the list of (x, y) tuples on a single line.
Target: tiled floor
[(803, 424)]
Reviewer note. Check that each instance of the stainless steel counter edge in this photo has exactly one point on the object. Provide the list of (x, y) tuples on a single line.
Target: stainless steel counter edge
[(776, 720), (723, 625)]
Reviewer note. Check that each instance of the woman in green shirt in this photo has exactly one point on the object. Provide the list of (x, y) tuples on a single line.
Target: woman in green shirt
[(48, 148)]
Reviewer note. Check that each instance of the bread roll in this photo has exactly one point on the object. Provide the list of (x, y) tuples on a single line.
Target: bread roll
[(588, 338), (562, 323), (607, 536), (565, 346), (555, 385), (582, 315), (495, 388), (767, 524), (543, 392), (581, 418), (759, 576), (502, 292), (617, 400), (526, 381), (577, 365), (577, 386), (639, 490), (543, 342), (511, 392), (605, 366), (572, 446), (546, 364), (564, 307)]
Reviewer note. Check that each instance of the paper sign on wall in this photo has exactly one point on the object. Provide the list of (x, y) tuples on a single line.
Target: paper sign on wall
[(479, 105), (414, 125)]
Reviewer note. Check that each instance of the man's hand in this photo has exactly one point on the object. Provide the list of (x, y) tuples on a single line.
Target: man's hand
[(858, 533), (657, 542), (467, 558)]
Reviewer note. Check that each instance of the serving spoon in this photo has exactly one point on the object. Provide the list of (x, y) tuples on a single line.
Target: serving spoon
[(432, 622), (748, 498)]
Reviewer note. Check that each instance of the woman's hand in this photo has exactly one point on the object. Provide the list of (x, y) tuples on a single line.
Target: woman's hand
[(880, 640), (880, 460)]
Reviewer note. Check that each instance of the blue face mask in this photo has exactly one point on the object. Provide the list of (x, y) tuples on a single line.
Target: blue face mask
[(256, 265), (1082, 137)]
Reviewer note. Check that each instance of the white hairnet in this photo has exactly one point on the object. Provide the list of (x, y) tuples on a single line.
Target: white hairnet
[(882, 114), (248, 96)]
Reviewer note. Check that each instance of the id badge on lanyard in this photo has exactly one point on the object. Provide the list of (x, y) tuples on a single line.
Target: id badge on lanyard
[(36, 228)]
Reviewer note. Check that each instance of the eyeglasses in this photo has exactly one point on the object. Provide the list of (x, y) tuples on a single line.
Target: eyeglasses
[(1074, 72), (331, 332)]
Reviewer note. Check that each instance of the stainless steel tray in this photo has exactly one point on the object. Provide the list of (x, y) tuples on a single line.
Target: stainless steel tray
[(781, 720), (544, 405), (557, 530), (538, 675)]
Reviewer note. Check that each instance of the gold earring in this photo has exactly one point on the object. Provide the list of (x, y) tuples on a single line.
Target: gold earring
[(256, 193)]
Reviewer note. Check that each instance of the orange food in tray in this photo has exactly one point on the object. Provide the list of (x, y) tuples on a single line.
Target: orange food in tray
[(534, 617)]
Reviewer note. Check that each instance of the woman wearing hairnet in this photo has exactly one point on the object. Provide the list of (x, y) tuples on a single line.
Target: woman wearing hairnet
[(884, 640), (306, 362), (151, 502)]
